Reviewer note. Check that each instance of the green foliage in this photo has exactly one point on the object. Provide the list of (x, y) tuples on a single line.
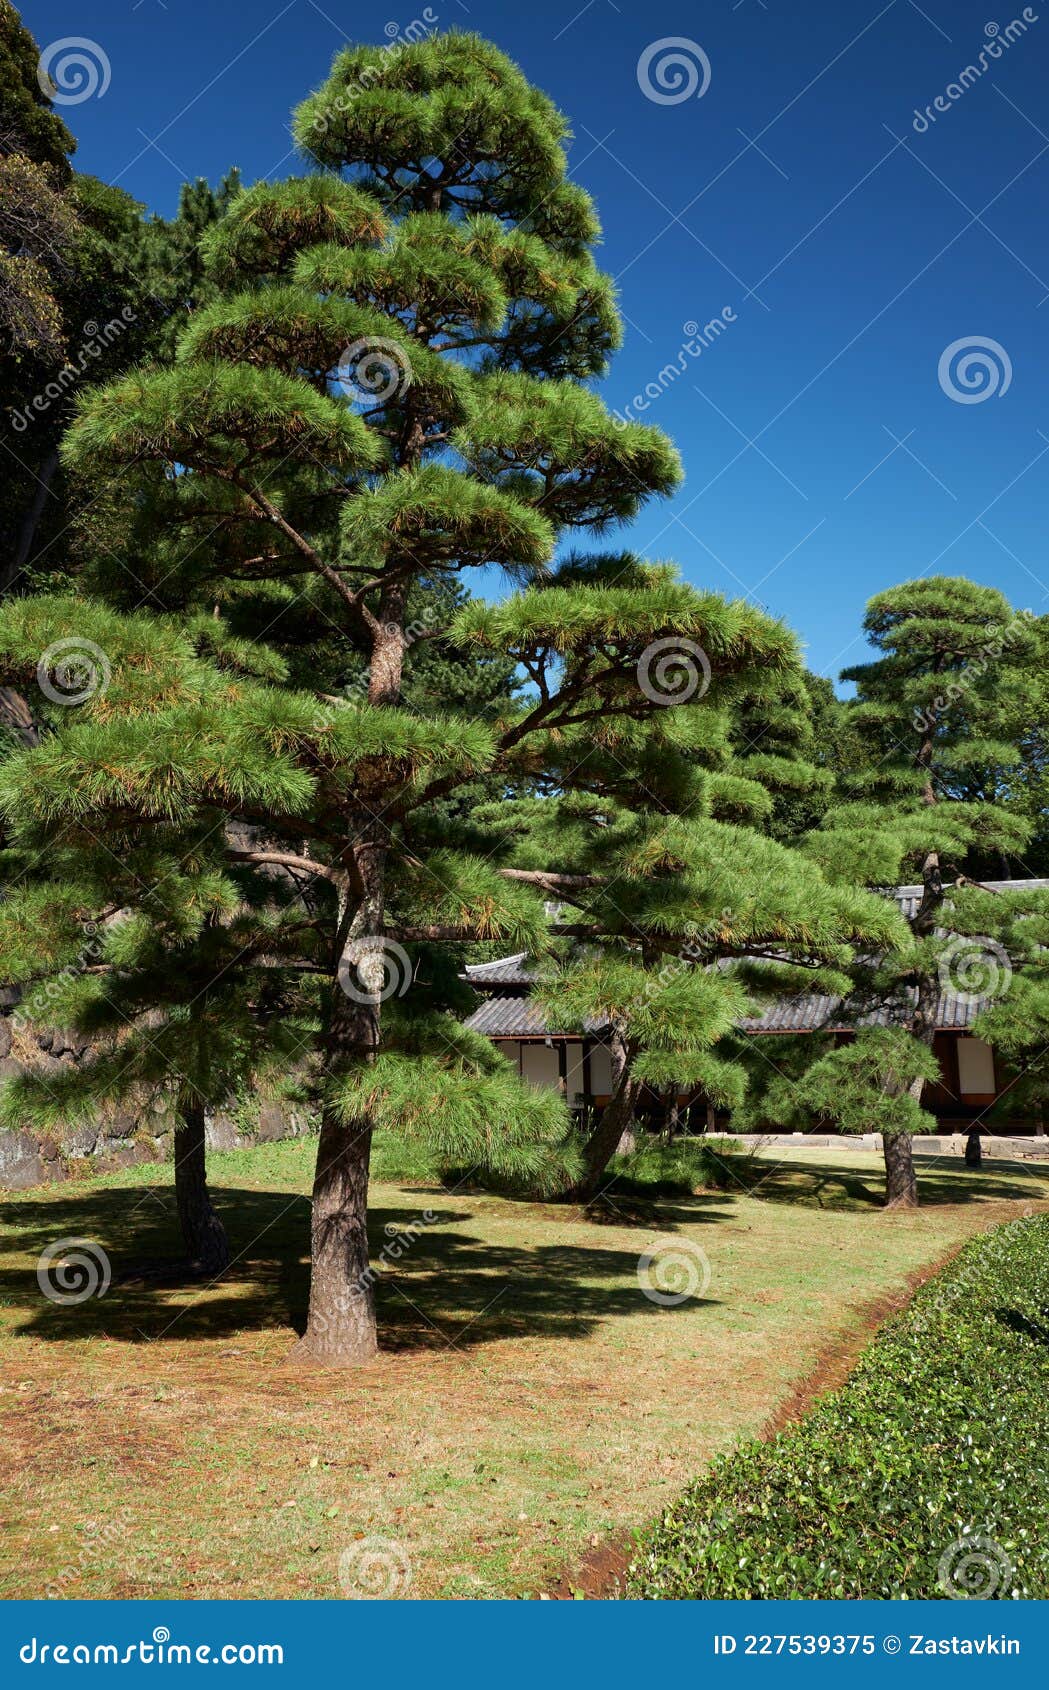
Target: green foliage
[(912, 1478), (862, 1086), (477, 1114), (678, 1169)]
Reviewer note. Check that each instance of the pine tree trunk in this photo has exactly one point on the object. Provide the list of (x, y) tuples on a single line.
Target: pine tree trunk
[(202, 1232), (340, 1327), (901, 1187), (616, 1122)]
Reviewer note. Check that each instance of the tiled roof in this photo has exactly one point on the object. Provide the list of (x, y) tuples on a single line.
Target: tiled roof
[(505, 971), (518, 1017), (909, 897), (515, 1018), (522, 1018), (805, 1014)]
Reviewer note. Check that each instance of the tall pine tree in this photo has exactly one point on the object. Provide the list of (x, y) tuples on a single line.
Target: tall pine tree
[(937, 714)]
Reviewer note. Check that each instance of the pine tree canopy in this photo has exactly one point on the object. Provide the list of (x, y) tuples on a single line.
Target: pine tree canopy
[(294, 787)]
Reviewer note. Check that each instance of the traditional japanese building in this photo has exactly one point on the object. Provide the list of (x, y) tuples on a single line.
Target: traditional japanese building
[(972, 1078)]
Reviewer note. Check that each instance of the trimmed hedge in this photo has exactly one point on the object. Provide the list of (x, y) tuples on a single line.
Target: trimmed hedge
[(925, 1475)]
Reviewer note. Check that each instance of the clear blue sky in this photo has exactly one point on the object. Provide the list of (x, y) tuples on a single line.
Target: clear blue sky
[(824, 460)]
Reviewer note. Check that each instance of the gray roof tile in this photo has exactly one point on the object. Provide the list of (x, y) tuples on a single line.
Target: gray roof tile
[(518, 1017)]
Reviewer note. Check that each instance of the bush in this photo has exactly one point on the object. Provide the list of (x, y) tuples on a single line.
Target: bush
[(923, 1476), (658, 1169)]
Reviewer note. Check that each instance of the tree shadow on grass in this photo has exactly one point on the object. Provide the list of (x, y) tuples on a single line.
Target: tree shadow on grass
[(445, 1287), (828, 1185)]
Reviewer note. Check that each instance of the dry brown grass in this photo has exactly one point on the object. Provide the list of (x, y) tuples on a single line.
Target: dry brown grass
[(529, 1402)]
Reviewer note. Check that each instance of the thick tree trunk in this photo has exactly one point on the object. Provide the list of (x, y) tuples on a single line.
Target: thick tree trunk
[(616, 1122), (901, 1187), (340, 1327), (203, 1233)]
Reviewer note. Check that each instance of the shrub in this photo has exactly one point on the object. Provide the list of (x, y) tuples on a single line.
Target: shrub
[(923, 1476), (658, 1169)]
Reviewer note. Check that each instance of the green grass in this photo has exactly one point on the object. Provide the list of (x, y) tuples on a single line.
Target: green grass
[(528, 1403), (921, 1477)]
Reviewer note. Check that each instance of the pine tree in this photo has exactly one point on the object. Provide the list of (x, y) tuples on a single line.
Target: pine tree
[(389, 389), (681, 913), (937, 714), (361, 410)]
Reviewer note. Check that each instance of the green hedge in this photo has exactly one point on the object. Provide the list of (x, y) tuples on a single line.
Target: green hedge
[(925, 1475)]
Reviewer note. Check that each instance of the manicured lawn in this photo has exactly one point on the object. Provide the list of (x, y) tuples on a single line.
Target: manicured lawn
[(530, 1402)]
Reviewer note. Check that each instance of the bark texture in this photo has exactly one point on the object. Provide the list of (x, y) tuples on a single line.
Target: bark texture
[(616, 1123), (202, 1232), (901, 1187)]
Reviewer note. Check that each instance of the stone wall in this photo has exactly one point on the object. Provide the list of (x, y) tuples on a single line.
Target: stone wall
[(122, 1137), (1032, 1149), (30, 1157)]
